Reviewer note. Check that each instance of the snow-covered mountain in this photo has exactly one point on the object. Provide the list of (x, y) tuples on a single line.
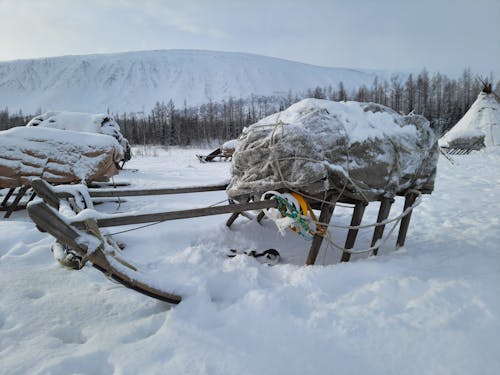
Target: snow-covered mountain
[(134, 81)]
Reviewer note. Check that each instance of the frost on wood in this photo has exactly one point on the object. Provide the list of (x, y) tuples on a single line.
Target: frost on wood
[(362, 149), (83, 122), (56, 156)]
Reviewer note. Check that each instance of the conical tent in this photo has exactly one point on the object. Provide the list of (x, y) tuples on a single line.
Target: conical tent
[(480, 126)]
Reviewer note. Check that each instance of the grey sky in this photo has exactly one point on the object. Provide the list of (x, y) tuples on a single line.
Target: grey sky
[(442, 35)]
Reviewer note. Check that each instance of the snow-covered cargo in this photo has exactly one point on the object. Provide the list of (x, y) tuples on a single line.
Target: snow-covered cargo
[(480, 126), (229, 146), (360, 150), (83, 122), (56, 156)]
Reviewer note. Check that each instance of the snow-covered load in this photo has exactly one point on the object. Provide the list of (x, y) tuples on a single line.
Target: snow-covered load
[(83, 122), (56, 156), (227, 148), (360, 150), (480, 126)]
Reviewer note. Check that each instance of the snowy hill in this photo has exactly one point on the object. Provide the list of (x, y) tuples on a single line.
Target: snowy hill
[(482, 122), (134, 81)]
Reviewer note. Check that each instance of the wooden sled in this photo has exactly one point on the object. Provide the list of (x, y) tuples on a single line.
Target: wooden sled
[(104, 254), (222, 155), (101, 250)]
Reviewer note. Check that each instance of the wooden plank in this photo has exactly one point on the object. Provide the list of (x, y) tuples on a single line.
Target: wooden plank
[(14, 204), (383, 214), (357, 216), (98, 193), (184, 214), (324, 217), (405, 221), (97, 185), (45, 191), (49, 220)]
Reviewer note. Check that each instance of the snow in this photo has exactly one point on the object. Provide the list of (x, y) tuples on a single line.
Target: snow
[(230, 145), (56, 155), (431, 307), (82, 122), (482, 121), (135, 81)]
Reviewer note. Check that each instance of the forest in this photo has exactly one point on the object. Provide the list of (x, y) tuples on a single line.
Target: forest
[(442, 100)]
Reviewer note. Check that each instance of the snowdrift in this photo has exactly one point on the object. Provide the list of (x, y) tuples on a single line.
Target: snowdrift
[(362, 150), (480, 126), (56, 156), (83, 122)]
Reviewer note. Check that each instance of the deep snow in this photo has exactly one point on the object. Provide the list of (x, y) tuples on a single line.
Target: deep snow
[(432, 307)]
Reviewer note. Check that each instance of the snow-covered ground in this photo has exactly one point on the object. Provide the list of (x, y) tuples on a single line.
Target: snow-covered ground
[(432, 307)]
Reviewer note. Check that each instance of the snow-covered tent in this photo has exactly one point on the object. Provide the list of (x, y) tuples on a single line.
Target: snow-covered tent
[(84, 122), (361, 150), (480, 126)]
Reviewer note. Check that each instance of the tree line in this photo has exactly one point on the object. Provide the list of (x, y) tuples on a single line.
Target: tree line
[(440, 99)]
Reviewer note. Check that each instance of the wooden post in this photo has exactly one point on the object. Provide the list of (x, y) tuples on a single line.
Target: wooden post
[(7, 197), (357, 216), (405, 221), (117, 220), (383, 214), (232, 218), (260, 216), (234, 215), (14, 204), (324, 217)]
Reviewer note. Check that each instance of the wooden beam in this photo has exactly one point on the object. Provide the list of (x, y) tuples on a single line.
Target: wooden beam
[(98, 193), (324, 217), (48, 220), (405, 221), (357, 216), (383, 214), (184, 214)]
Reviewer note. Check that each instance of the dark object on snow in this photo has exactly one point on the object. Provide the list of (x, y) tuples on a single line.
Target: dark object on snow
[(269, 256), (225, 152)]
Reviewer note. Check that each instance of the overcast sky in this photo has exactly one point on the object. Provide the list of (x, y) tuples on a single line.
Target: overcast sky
[(443, 35)]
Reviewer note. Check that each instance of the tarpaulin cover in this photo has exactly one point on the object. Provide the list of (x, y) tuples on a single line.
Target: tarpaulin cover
[(363, 150)]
